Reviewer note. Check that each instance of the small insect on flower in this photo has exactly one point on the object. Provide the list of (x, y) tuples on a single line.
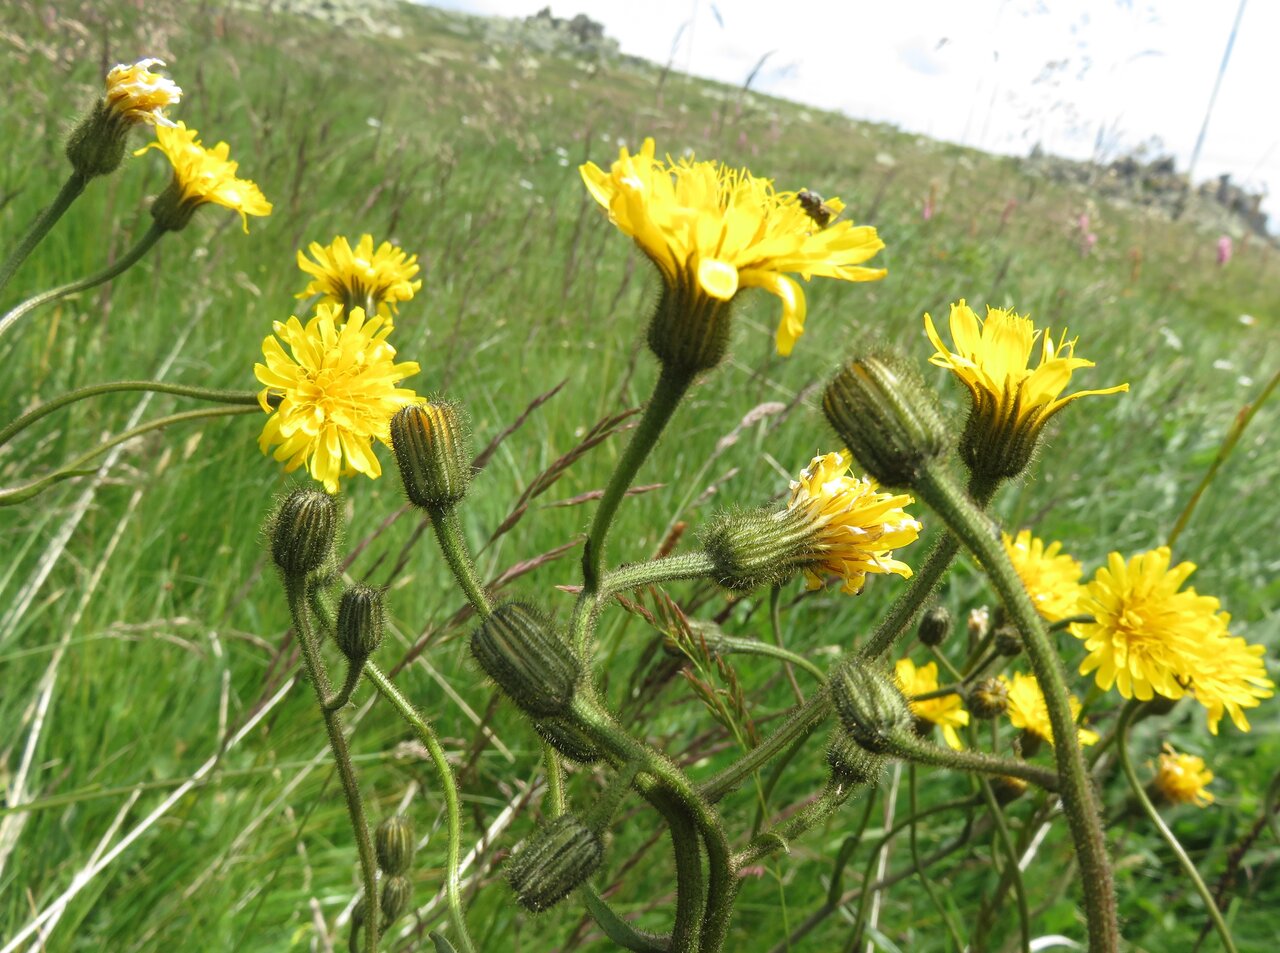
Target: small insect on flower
[(817, 208)]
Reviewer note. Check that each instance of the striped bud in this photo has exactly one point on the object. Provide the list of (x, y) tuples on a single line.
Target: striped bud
[(989, 699), (567, 738), (870, 705), (520, 649), (850, 763), (935, 626), (393, 841), (555, 861), (302, 531), (360, 620), (397, 891), (432, 445)]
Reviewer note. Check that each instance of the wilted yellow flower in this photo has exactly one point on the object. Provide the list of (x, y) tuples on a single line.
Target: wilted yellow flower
[(1011, 401), (1150, 636), (201, 176), (1028, 711), (712, 231), (852, 528), (1051, 578), (361, 277), (945, 710), (138, 95), (336, 393), (1183, 779)]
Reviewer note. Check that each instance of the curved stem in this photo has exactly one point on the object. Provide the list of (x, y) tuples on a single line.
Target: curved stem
[(667, 393), (911, 748), (245, 397), (780, 835), (1188, 866), (732, 645), (623, 934), (966, 519), (340, 700), (449, 787), (69, 192), (296, 589), (444, 520), (801, 724), (20, 494), (128, 260)]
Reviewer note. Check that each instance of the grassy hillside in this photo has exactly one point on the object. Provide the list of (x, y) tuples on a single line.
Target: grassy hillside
[(141, 627)]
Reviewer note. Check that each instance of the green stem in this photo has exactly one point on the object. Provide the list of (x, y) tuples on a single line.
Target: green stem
[(780, 835), (444, 520), (296, 589), (967, 521), (623, 934), (1015, 874), (732, 645), (909, 747), (69, 192), (75, 468), (667, 393), (452, 882), (801, 724), (126, 261), (1188, 867), (340, 700), (693, 565), (246, 397), (913, 840)]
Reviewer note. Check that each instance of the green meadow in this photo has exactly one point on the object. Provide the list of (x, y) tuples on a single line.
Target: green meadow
[(166, 780)]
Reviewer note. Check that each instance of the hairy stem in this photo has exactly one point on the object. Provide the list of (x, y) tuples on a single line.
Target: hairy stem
[(444, 520), (69, 192)]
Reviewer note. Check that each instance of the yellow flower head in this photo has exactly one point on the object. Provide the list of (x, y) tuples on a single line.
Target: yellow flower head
[(1183, 779), (1051, 578), (1028, 711), (203, 175), (336, 392), (1150, 636), (138, 95), (1011, 400), (852, 528), (712, 231), (360, 277), (946, 710)]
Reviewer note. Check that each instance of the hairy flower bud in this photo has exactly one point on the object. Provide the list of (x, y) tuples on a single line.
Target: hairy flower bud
[(935, 626), (397, 891), (989, 698), (360, 620), (567, 738), (1008, 641), (887, 417), (302, 531), (1007, 789), (690, 330), (520, 649), (432, 444), (850, 763), (870, 704), (755, 549), (393, 841), (553, 862)]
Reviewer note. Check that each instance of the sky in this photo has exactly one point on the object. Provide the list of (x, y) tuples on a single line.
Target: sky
[(1085, 78)]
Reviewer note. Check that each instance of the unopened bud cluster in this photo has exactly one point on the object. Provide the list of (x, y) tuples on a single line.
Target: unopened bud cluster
[(520, 649), (554, 862)]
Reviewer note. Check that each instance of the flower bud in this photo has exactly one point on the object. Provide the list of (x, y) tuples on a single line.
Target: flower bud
[(173, 209), (1008, 641), (396, 894), (565, 736), (302, 531), (553, 862), (870, 704), (96, 145), (432, 444), (755, 549), (851, 764), (393, 841), (519, 648), (360, 619), (887, 417), (1007, 789), (935, 626), (989, 698), (690, 329)]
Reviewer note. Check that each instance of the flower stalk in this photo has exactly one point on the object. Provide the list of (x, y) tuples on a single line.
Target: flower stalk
[(69, 192)]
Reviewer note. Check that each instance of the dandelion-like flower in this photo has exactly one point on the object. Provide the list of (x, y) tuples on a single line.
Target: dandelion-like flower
[(712, 231), (1011, 400), (947, 711), (376, 280), (1182, 779), (1051, 578), (1150, 636), (1028, 711), (852, 528), (137, 95), (336, 391), (201, 176)]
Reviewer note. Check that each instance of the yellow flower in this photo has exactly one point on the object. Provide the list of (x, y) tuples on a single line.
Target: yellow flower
[(1028, 711), (201, 176), (373, 280), (1183, 779), (138, 95), (1051, 578), (946, 710), (852, 528), (1011, 401), (712, 231), (1150, 636), (336, 393)]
